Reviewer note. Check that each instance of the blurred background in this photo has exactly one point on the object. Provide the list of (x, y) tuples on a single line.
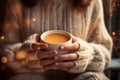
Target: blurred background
[(112, 22)]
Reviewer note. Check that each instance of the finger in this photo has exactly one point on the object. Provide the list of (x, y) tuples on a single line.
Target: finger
[(33, 64), (38, 38), (46, 54), (71, 56), (52, 66), (48, 61), (74, 39), (33, 46), (65, 65), (32, 56), (70, 47), (38, 46)]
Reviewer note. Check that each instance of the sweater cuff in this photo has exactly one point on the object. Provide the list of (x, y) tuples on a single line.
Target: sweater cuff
[(99, 60), (85, 48), (27, 44), (85, 56)]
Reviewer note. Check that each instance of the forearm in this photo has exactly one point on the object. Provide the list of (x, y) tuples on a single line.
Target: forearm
[(18, 66), (27, 44), (85, 56), (92, 57), (101, 57)]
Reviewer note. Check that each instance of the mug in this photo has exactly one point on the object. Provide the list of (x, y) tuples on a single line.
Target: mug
[(55, 39)]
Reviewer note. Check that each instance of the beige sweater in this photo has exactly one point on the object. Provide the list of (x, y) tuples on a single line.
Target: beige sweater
[(88, 25)]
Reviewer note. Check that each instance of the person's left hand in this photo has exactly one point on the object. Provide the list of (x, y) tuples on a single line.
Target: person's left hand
[(66, 61)]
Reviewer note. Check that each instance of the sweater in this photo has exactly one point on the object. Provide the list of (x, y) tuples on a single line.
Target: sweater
[(86, 24)]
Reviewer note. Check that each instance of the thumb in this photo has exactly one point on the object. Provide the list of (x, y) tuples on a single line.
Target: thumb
[(74, 39)]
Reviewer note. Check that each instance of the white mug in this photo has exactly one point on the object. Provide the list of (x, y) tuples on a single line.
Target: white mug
[(55, 39)]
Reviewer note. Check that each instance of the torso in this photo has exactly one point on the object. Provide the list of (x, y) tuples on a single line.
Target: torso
[(54, 14)]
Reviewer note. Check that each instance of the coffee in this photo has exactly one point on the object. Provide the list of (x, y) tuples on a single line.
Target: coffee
[(56, 38)]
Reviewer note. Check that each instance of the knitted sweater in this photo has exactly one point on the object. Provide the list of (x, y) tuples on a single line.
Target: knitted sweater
[(88, 25)]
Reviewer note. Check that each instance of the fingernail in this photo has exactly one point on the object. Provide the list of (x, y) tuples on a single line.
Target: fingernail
[(46, 45), (56, 64), (38, 48), (56, 58), (62, 47), (55, 51)]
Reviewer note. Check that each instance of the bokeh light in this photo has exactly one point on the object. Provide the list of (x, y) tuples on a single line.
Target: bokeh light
[(4, 59), (20, 55), (113, 33), (34, 19), (2, 37)]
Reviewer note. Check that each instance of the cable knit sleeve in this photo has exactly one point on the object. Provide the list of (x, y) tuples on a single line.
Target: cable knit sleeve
[(101, 42), (12, 38), (95, 51)]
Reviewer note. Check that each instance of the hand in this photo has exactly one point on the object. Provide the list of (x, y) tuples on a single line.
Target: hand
[(32, 43), (79, 58), (66, 61), (47, 59), (12, 63), (41, 59)]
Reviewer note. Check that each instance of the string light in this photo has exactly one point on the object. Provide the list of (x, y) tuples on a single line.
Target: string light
[(33, 19), (4, 60), (2, 37), (113, 33)]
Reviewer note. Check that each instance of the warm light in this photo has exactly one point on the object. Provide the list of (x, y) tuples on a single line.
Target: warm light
[(7, 24), (34, 19), (2, 37), (4, 59), (20, 55), (113, 33)]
